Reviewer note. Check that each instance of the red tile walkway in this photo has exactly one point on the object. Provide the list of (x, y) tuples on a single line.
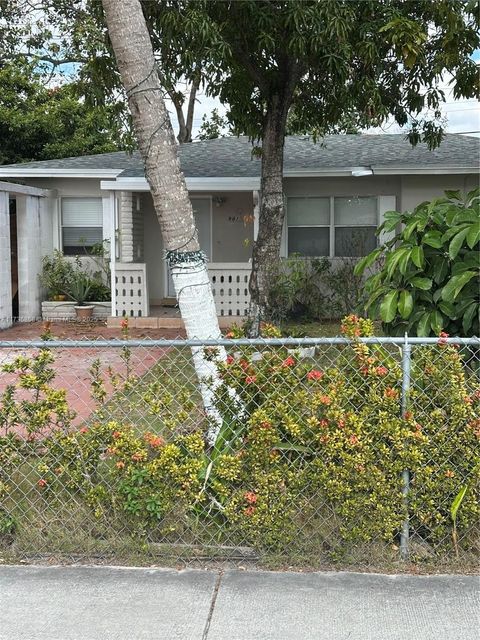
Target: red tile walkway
[(72, 365)]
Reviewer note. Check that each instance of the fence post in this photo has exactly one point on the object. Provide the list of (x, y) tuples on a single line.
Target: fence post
[(406, 368)]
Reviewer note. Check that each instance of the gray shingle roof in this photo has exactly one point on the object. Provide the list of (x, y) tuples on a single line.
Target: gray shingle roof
[(228, 157)]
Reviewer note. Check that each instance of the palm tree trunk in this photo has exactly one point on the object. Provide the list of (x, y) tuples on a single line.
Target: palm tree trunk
[(134, 54)]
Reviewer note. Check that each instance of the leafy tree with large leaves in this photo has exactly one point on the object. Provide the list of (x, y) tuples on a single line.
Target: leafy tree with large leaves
[(330, 62), (429, 276), (39, 122)]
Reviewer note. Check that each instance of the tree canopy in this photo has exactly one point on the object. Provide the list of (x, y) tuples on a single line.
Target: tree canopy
[(39, 122)]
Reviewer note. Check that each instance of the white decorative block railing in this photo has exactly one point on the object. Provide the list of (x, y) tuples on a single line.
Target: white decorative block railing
[(230, 287), (131, 292)]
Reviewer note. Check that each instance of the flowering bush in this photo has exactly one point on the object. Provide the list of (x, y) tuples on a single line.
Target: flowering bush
[(337, 435), (308, 447)]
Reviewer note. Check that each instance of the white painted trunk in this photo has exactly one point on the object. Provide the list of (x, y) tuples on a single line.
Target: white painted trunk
[(197, 308), (136, 63)]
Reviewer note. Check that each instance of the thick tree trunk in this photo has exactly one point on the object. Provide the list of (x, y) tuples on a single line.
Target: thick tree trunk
[(133, 51), (266, 250)]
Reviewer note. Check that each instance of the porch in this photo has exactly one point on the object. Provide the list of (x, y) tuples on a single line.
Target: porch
[(142, 288)]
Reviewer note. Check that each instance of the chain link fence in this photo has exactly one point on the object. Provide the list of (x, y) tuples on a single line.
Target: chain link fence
[(330, 452)]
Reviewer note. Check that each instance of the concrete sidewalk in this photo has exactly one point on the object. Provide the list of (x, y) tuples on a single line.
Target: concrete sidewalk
[(106, 603)]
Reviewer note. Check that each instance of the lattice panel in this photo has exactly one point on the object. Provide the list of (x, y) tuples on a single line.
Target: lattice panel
[(131, 290), (230, 288)]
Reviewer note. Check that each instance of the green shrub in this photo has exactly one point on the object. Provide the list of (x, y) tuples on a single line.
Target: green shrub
[(429, 278)]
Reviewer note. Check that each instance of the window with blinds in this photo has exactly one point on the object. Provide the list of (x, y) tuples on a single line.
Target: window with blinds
[(82, 224), (332, 226)]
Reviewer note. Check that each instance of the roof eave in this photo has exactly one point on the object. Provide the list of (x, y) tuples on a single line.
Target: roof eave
[(43, 172)]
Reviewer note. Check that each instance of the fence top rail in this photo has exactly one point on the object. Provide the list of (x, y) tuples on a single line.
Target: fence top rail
[(227, 342)]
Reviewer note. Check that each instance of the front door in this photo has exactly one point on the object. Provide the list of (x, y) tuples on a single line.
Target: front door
[(202, 211)]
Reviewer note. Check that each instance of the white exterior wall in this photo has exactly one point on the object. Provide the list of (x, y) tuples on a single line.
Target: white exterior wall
[(417, 189), (29, 234), (5, 263), (232, 235)]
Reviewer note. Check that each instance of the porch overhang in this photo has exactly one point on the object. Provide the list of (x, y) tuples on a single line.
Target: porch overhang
[(193, 184)]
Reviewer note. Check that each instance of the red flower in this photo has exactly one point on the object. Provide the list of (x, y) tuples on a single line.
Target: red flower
[(443, 337), (353, 439), (124, 323), (249, 511), (288, 362), (42, 483), (315, 374), (250, 497), (137, 456), (325, 400), (116, 435), (250, 379), (243, 364), (266, 424), (230, 359), (408, 415), (381, 371), (84, 430), (341, 424)]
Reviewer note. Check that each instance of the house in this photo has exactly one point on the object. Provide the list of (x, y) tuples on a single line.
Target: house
[(336, 194)]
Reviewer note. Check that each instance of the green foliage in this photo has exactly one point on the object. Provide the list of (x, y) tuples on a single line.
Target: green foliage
[(295, 288), (428, 279), (71, 279), (311, 445), (30, 403), (39, 122), (56, 275), (335, 64), (214, 126), (306, 289)]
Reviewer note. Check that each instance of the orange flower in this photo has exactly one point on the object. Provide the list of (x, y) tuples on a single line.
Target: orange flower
[(249, 511), (120, 464), (353, 439), (116, 434), (250, 379), (229, 334), (381, 371), (137, 456), (42, 483), (325, 400), (84, 430), (124, 323), (449, 473), (250, 497), (315, 374), (390, 393)]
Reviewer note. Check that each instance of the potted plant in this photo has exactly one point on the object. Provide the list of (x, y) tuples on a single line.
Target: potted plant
[(56, 275), (79, 292)]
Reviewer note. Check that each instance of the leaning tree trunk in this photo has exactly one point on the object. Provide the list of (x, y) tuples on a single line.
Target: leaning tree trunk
[(266, 250), (133, 51)]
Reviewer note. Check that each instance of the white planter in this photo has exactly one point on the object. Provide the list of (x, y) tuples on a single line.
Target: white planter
[(66, 310), (302, 352)]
